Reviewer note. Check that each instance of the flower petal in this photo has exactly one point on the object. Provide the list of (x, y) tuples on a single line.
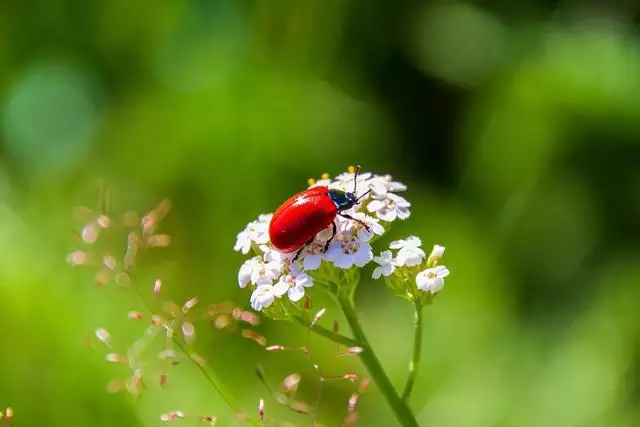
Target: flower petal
[(312, 262), (375, 205), (296, 293)]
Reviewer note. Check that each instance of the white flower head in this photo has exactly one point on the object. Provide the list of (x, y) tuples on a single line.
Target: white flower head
[(262, 297), (410, 253), (264, 273), (385, 266), (293, 285), (432, 279), (256, 231), (380, 185), (246, 271), (390, 207), (347, 250)]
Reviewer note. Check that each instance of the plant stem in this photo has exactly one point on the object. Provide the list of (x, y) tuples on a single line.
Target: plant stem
[(414, 365), (399, 407), (333, 336), (206, 370)]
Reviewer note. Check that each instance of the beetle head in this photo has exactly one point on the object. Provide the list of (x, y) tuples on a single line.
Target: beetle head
[(344, 200)]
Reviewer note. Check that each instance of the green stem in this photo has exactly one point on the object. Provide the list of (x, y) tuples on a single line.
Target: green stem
[(331, 335), (399, 407), (207, 371), (414, 365)]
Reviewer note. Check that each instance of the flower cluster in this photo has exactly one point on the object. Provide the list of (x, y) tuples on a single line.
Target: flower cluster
[(271, 275), (410, 270)]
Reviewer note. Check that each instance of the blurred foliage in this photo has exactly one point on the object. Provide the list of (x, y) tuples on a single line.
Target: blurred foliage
[(516, 126)]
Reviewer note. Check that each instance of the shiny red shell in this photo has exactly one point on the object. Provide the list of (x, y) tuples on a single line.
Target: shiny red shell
[(300, 218)]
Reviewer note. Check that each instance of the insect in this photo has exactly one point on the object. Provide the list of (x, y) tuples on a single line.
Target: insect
[(297, 221)]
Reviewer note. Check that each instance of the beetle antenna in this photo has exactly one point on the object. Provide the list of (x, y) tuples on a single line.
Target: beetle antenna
[(359, 198), (355, 179)]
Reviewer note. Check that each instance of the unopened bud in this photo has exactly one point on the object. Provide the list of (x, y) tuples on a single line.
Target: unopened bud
[(104, 336), (352, 351), (318, 315), (135, 315), (254, 336), (114, 358), (103, 221), (436, 255), (109, 261), (157, 321), (77, 258), (171, 416), (188, 331), (350, 376), (290, 383), (90, 233), (353, 401), (222, 321), (189, 304), (157, 287)]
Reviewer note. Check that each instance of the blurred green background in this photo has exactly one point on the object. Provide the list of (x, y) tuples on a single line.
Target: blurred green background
[(516, 126)]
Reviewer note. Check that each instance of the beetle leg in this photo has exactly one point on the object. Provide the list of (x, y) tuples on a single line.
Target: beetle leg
[(362, 223), (302, 248), (333, 234)]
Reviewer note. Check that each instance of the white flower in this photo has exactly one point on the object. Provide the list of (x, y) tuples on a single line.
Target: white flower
[(410, 253), (256, 231), (347, 178), (313, 254), (243, 242), (390, 207), (382, 184), (277, 258), (262, 297), (293, 285), (432, 279), (347, 250), (363, 234), (344, 182), (436, 254), (246, 271), (385, 265), (265, 273)]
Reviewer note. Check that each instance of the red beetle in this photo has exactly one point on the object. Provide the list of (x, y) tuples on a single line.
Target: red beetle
[(297, 221)]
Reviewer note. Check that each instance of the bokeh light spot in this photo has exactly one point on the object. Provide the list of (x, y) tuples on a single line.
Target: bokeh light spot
[(50, 116), (459, 43)]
